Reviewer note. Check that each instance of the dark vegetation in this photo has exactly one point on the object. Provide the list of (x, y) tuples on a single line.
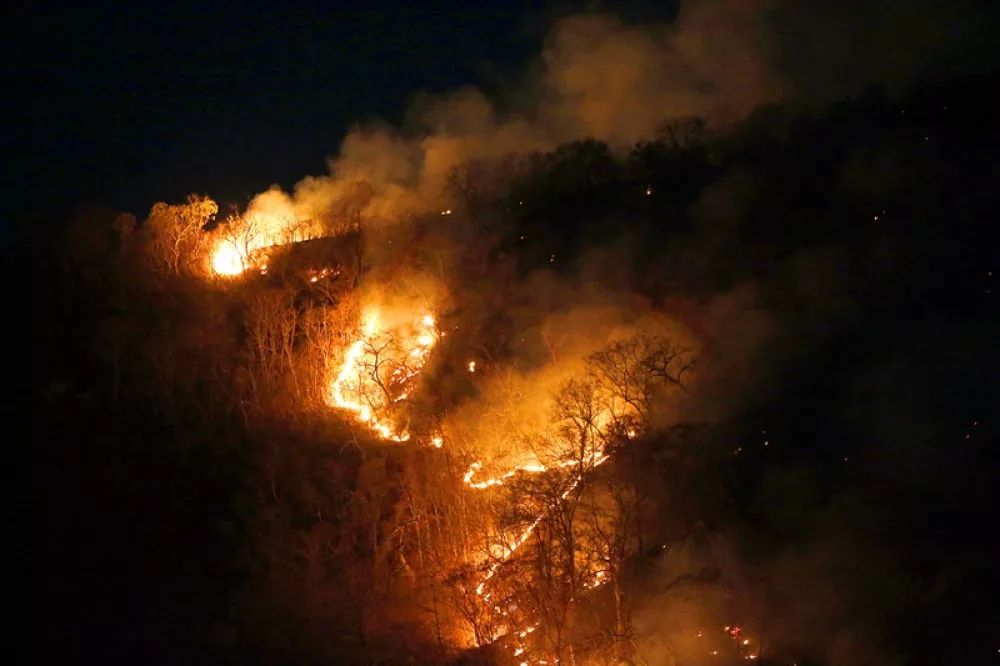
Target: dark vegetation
[(194, 503)]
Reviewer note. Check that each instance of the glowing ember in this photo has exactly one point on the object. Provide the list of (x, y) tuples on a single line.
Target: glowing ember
[(744, 644)]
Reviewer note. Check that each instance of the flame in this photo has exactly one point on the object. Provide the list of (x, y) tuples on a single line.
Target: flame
[(271, 220), (360, 389), (500, 552), (227, 260), (594, 459), (503, 552), (533, 468)]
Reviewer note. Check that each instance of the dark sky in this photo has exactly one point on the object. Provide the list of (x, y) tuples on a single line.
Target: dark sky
[(126, 103)]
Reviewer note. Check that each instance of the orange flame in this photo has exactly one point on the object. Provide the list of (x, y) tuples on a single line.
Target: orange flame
[(269, 221), (227, 260), (359, 389)]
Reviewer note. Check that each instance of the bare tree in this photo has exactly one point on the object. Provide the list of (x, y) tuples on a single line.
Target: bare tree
[(583, 524), (271, 325), (177, 240), (634, 372)]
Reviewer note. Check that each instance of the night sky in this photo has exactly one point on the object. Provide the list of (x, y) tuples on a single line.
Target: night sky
[(129, 103)]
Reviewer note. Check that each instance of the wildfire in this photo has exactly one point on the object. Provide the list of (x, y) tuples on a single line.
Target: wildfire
[(502, 551), (593, 460), (270, 221), (227, 260), (378, 371), (242, 248), (474, 468)]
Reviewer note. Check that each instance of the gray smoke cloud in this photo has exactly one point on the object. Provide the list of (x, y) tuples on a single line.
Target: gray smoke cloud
[(598, 77)]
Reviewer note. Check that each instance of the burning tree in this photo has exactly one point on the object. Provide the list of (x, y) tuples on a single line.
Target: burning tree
[(560, 531), (176, 234), (378, 370)]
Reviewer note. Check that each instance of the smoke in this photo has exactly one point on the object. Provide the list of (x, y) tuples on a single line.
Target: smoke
[(793, 604), (618, 83), (601, 78), (597, 77), (830, 49), (554, 324), (272, 214)]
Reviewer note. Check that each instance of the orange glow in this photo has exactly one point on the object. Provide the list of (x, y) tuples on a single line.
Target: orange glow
[(378, 371), (269, 221), (226, 260)]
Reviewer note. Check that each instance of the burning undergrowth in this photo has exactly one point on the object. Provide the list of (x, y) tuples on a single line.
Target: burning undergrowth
[(548, 384)]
